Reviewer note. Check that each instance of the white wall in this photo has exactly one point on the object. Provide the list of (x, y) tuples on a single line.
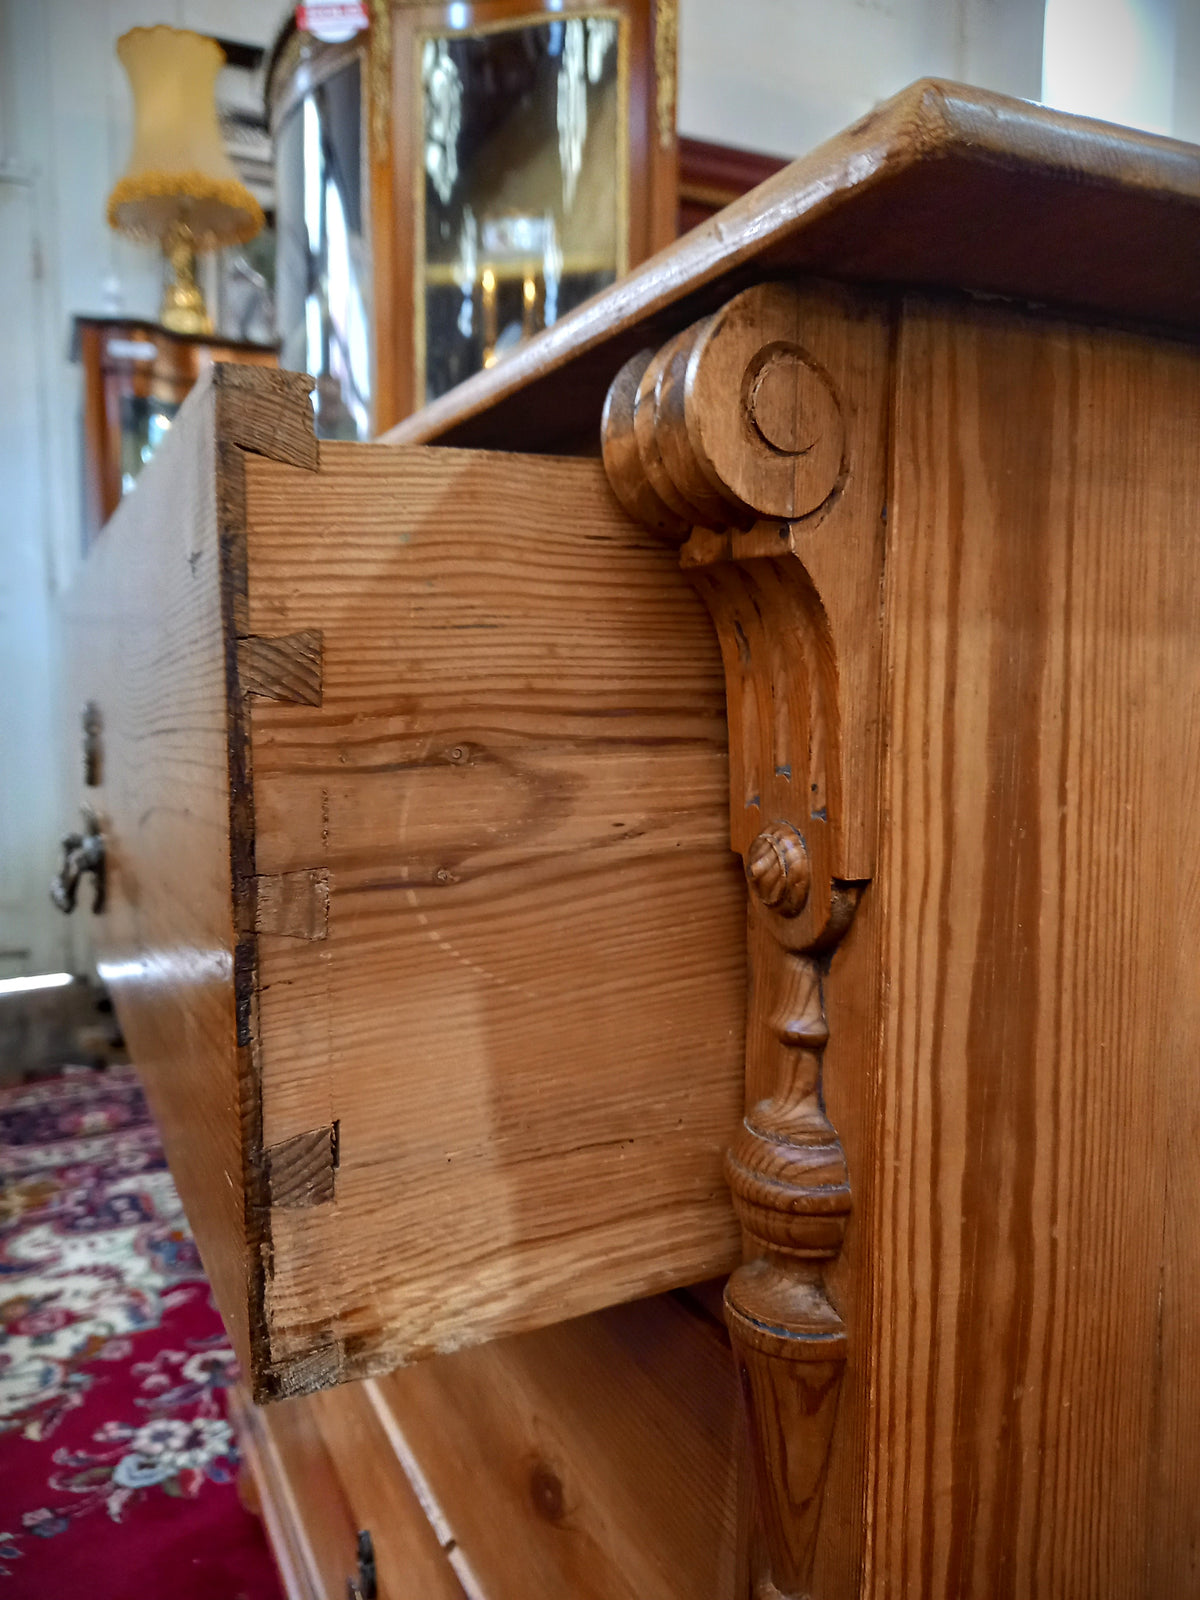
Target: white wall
[(1186, 123), (782, 75), (31, 938), (1124, 61)]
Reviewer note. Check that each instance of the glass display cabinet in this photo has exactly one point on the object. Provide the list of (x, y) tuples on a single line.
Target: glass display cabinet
[(457, 178), (135, 377)]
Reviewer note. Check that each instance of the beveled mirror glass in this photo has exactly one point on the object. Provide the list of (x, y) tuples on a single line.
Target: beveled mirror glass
[(523, 187)]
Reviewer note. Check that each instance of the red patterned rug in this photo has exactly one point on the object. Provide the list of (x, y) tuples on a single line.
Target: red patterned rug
[(117, 1464)]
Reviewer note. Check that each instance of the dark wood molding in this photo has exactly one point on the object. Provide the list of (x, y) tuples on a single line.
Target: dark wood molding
[(711, 176)]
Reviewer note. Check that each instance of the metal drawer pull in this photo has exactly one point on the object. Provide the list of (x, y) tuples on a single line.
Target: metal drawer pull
[(82, 852), (364, 1586)]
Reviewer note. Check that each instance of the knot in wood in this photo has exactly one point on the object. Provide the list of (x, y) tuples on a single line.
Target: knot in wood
[(778, 869), (546, 1490)]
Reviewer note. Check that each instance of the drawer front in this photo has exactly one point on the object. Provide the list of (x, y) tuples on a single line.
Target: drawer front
[(423, 922), (146, 646), (599, 1458)]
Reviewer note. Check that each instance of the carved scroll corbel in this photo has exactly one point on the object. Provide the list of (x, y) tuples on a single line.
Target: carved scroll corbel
[(755, 440)]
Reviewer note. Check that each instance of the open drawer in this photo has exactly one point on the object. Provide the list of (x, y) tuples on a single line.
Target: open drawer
[(422, 921)]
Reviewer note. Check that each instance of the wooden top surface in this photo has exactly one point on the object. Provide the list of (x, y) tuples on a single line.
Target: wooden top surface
[(943, 185)]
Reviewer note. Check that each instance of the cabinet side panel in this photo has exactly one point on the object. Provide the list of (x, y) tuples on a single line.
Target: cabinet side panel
[(1038, 1433), (523, 1013), (147, 647)]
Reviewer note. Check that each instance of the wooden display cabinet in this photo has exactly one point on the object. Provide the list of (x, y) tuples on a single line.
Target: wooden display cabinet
[(856, 532), (135, 377), (479, 167)]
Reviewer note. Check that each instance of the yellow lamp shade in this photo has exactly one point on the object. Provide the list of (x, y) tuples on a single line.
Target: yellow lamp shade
[(178, 173)]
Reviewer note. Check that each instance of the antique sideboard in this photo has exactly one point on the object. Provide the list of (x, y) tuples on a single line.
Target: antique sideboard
[(858, 531)]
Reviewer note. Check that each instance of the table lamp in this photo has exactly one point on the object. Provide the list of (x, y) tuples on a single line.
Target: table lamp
[(179, 186)]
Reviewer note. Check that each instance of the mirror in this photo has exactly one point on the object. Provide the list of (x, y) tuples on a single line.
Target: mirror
[(524, 211)]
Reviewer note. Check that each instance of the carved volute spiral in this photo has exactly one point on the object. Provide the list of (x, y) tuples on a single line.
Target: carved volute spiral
[(680, 455), (733, 439)]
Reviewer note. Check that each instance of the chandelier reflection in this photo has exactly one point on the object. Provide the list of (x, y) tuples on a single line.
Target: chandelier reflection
[(524, 212)]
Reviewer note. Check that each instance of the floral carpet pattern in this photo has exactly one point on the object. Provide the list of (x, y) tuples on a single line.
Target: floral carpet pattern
[(117, 1463)]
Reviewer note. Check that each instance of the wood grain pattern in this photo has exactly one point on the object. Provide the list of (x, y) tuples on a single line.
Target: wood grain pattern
[(943, 185), (307, 1518), (515, 776), (146, 634), (294, 904), (791, 1187), (411, 1562), (525, 1015), (1019, 1380), (523, 1021), (596, 1459), (1037, 1432)]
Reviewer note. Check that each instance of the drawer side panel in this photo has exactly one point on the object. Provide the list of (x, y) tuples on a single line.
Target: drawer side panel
[(522, 1010)]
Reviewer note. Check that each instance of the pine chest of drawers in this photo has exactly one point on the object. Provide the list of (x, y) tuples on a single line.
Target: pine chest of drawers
[(418, 765)]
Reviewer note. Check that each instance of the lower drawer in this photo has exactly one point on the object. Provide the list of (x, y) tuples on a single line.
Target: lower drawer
[(321, 1477), (598, 1459)]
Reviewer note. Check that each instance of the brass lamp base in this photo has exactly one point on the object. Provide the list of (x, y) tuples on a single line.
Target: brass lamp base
[(183, 309)]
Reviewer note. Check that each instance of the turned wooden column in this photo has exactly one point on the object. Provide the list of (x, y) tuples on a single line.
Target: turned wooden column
[(755, 440)]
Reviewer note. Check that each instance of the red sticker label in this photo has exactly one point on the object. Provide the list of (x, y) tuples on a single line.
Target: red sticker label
[(332, 20)]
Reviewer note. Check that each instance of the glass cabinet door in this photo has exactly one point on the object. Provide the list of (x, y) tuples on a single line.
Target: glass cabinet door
[(523, 194), (323, 271)]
